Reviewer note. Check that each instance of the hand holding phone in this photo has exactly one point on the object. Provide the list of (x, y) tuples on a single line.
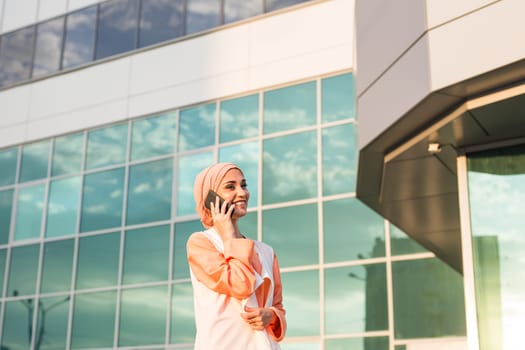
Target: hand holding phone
[(211, 198)]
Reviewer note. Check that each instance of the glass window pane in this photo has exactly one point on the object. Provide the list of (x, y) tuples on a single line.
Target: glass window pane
[(189, 167), (182, 314), (35, 159), (30, 204), (52, 323), (183, 230), (290, 107), (246, 156), (48, 47), (364, 236), (117, 27), (435, 308), (368, 343), (67, 154), (94, 320), (339, 159), (293, 234), (6, 202), (248, 225), (62, 210), (338, 98), (18, 315), (301, 301), (154, 136), (290, 173), (56, 270), (239, 118), (16, 53), (3, 256), (143, 316), (146, 255), (401, 243), (197, 127), (102, 200), (8, 162), (235, 10), (79, 43), (272, 5), (149, 193), (356, 299), (202, 15), (161, 20), (107, 146), (98, 261), (23, 270)]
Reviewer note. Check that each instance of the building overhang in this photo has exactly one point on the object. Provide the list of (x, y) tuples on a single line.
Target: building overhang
[(408, 173)]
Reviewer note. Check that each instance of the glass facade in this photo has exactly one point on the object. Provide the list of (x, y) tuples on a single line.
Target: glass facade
[(93, 228), (114, 27), (496, 181)]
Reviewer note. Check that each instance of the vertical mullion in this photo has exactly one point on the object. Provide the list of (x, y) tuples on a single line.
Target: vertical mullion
[(389, 286), (260, 167), (467, 253), (95, 39), (124, 207), (320, 211), (139, 19)]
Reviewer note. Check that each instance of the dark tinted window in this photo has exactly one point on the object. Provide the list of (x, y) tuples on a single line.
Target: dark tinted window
[(161, 20), (236, 10), (16, 53), (202, 15), (117, 27), (8, 163), (80, 37), (49, 36), (272, 5)]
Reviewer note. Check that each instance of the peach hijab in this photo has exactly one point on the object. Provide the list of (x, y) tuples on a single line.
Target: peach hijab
[(209, 179)]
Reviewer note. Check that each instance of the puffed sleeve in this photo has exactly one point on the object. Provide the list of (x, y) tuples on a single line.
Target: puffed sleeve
[(229, 273), (277, 329)]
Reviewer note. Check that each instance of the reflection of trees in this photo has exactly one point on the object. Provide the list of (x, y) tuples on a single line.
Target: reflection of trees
[(41, 321)]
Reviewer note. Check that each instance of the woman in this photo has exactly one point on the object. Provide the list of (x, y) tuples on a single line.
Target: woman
[(237, 288)]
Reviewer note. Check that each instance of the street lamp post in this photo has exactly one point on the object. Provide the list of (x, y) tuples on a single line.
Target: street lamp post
[(28, 303)]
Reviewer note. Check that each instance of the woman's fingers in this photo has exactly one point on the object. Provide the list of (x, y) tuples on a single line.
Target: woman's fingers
[(257, 318)]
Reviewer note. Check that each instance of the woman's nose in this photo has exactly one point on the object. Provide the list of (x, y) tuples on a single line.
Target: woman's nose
[(242, 192)]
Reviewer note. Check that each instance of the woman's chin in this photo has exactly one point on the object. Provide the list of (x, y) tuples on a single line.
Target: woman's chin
[(239, 213)]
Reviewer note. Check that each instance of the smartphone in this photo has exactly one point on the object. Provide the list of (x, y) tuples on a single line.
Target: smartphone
[(211, 198)]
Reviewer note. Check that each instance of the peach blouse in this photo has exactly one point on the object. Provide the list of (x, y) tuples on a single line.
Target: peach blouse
[(224, 275)]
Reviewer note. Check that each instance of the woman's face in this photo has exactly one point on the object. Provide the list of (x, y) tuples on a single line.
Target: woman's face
[(233, 189)]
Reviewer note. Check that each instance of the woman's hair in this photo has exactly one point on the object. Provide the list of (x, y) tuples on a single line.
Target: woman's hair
[(209, 179)]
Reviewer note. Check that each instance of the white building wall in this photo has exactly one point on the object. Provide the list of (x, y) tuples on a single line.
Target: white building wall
[(428, 49), (18, 13), (477, 42), (2, 4), (51, 8), (293, 45)]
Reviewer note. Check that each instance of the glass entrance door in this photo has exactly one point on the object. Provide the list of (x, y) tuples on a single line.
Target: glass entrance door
[(496, 188)]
